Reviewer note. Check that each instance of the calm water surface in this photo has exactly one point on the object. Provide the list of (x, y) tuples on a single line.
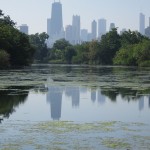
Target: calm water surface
[(75, 93), (107, 108)]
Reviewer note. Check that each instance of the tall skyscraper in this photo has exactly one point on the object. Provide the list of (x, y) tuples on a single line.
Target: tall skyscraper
[(142, 24), (147, 30), (49, 26), (101, 27), (76, 29), (56, 18), (55, 24), (24, 29), (94, 30)]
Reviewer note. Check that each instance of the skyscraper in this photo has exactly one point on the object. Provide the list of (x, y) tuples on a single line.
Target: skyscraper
[(112, 26), (94, 29), (142, 24), (49, 26), (56, 18), (68, 34), (122, 31), (76, 29), (101, 27), (55, 24), (24, 28), (147, 30), (84, 35)]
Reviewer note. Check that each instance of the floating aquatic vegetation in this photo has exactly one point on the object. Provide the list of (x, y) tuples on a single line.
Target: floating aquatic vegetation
[(66, 135), (116, 143), (98, 76)]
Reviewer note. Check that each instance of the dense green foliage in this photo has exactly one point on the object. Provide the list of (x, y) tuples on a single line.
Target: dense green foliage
[(15, 43), (62, 52), (130, 48), (135, 50), (4, 59), (38, 41)]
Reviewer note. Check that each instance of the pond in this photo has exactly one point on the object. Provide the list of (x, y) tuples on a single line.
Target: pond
[(75, 107)]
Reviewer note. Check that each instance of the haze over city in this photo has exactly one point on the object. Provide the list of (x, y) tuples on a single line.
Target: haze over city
[(125, 14)]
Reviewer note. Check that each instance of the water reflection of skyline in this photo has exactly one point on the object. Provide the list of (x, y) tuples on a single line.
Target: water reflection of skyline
[(75, 94), (141, 103), (54, 97), (149, 101)]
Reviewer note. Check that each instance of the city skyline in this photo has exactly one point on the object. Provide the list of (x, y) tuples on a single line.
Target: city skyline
[(119, 12)]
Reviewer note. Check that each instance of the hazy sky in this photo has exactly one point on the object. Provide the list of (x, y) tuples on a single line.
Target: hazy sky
[(34, 13)]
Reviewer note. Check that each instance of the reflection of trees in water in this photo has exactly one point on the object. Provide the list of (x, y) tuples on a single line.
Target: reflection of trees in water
[(125, 93), (11, 98), (112, 95)]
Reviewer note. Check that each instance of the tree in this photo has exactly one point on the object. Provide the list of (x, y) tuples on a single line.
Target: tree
[(38, 41), (135, 55), (69, 53), (94, 47), (1, 13), (109, 45), (6, 20), (61, 44), (4, 59), (15, 43), (125, 56), (82, 56), (131, 37), (57, 52), (141, 53)]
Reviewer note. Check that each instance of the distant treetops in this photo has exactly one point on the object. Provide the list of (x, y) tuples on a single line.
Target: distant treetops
[(15, 48), (129, 48)]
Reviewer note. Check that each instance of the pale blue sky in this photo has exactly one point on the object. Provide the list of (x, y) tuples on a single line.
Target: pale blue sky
[(34, 13)]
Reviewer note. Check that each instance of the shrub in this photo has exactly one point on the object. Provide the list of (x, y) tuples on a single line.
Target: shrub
[(4, 59)]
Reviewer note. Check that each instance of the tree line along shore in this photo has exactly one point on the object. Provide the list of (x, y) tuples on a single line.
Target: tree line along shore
[(18, 49)]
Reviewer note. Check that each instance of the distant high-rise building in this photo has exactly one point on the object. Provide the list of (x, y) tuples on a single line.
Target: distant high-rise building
[(55, 24), (101, 27), (56, 18), (24, 29), (49, 26), (84, 35), (94, 30), (147, 30), (76, 29), (112, 26), (142, 24), (89, 37), (69, 34), (123, 30)]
